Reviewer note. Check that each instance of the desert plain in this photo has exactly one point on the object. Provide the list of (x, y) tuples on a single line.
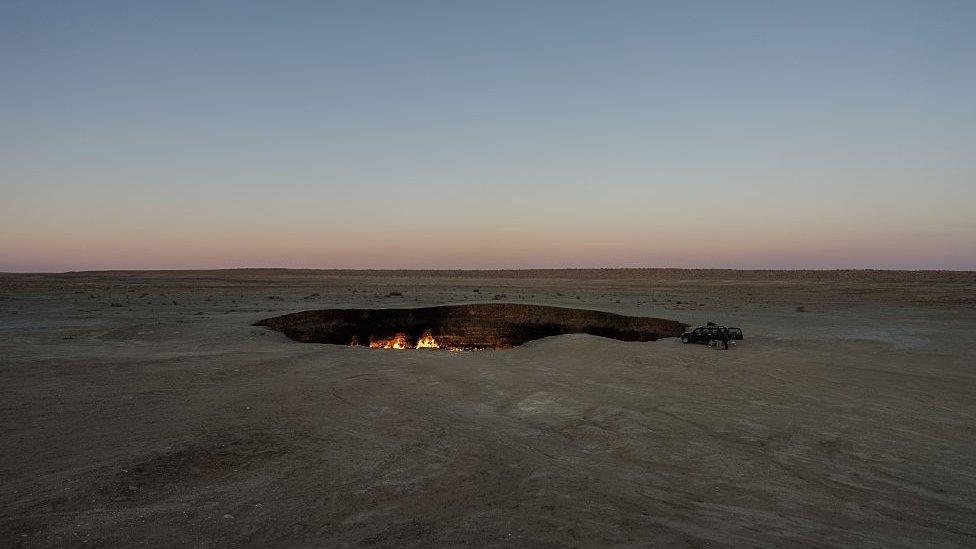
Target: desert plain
[(146, 409)]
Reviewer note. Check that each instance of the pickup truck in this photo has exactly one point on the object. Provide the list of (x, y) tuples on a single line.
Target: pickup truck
[(711, 332)]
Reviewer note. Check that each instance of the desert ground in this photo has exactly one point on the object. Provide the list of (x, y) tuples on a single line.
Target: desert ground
[(145, 409)]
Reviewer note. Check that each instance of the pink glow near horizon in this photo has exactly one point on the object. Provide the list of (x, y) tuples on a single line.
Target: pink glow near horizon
[(425, 250)]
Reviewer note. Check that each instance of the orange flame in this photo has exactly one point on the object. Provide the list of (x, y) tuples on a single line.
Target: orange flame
[(427, 341), (399, 341)]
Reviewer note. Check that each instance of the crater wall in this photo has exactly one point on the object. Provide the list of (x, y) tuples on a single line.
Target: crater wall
[(473, 326)]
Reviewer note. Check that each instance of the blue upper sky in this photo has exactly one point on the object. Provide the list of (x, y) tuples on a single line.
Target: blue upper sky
[(487, 134)]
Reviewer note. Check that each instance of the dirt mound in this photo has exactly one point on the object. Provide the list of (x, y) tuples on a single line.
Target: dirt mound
[(476, 326)]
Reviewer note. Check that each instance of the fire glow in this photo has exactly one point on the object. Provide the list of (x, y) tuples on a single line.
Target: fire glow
[(401, 341)]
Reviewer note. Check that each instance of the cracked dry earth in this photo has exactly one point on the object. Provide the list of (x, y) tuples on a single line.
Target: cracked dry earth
[(145, 409)]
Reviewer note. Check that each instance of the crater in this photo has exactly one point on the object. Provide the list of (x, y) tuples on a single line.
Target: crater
[(463, 327)]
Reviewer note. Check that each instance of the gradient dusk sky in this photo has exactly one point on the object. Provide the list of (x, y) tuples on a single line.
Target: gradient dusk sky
[(487, 134)]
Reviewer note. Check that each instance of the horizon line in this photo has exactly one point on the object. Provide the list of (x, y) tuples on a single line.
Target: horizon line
[(487, 270)]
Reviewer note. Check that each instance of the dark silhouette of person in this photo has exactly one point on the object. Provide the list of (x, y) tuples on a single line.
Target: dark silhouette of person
[(725, 339)]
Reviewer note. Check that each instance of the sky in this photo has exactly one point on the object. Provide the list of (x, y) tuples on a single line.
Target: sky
[(456, 134)]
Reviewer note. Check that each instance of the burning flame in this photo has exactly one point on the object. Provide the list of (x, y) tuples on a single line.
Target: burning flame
[(400, 341), (427, 341)]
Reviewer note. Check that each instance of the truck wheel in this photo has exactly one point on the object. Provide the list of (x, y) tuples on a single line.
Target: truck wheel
[(684, 339)]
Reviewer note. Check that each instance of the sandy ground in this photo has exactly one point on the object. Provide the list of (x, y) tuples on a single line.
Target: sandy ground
[(143, 409)]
